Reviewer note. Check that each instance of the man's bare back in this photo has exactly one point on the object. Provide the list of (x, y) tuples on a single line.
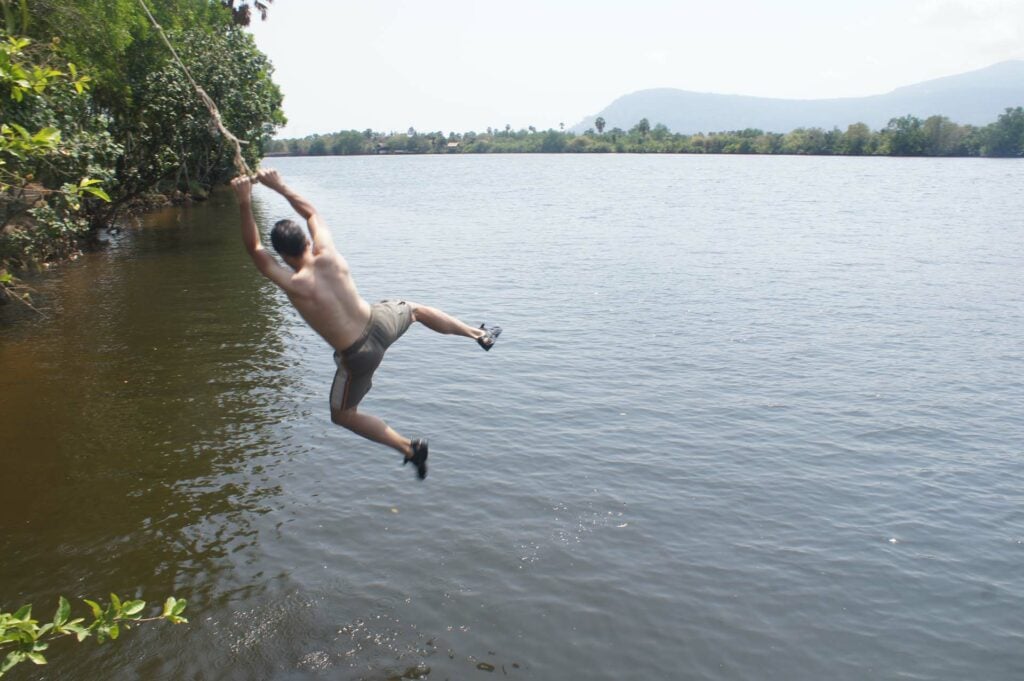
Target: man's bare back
[(325, 295), (320, 286), (319, 283)]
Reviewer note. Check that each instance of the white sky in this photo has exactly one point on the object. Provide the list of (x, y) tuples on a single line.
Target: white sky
[(460, 65)]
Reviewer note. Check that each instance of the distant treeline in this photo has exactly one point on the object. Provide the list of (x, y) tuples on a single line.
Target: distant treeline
[(904, 136)]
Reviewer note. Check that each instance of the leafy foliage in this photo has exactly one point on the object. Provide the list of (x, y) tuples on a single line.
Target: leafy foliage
[(1006, 136), (53, 153), (14, 14), (177, 146), (22, 638), (92, 93), (242, 13)]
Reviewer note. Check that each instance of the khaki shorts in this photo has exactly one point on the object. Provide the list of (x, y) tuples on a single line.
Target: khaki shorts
[(389, 319)]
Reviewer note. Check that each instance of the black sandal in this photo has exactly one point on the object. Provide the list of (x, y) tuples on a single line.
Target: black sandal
[(419, 457), (487, 340)]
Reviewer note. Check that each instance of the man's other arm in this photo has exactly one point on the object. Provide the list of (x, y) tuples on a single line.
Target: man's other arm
[(322, 241)]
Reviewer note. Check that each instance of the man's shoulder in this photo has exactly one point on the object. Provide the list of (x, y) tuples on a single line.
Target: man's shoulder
[(298, 283), (329, 259)]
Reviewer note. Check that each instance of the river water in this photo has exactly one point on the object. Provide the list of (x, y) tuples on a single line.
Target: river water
[(750, 418)]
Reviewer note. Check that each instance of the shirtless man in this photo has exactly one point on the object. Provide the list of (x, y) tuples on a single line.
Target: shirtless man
[(320, 287)]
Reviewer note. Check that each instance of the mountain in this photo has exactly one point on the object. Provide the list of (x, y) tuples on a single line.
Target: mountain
[(976, 97)]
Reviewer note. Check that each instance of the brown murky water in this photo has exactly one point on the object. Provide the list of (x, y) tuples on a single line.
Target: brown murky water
[(121, 417)]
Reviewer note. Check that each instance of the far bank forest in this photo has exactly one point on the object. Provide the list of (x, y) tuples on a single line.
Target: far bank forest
[(904, 136)]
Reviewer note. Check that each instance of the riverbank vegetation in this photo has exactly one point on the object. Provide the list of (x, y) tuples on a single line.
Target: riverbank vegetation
[(97, 120), (904, 136)]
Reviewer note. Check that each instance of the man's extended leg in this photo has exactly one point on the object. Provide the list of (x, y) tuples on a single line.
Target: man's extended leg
[(439, 321), (372, 428)]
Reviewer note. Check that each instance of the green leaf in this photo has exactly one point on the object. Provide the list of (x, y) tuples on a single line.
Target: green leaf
[(132, 608), (80, 632), (179, 607), (63, 611), (97, 192), (12, 658), (23, 613), (115, 631), (36, 657), (168, 606), (47, 136), (26, 626), (97, 611), (114, 600)]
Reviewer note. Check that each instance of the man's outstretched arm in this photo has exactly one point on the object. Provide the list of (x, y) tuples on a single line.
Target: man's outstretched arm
[(264, 262), (321, 237)]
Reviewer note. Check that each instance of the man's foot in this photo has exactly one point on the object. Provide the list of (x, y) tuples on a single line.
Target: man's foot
[(419, 457), (486, 341)]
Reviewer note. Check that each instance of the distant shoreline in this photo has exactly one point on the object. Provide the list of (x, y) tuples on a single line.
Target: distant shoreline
[(907, 136), (640, 153)]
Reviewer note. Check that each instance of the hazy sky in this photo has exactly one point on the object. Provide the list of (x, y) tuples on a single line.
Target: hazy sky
[(468, 64)]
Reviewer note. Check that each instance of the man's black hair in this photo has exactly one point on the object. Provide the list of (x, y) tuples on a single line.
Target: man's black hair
[(288, 238)]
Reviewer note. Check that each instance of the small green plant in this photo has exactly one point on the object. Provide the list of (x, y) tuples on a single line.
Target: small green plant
[(22, 638)]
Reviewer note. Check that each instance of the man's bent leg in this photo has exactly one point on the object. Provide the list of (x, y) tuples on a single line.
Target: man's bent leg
[(436, 320), (372, 428)]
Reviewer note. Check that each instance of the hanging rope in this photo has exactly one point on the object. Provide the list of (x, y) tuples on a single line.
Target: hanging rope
[(240, 164)]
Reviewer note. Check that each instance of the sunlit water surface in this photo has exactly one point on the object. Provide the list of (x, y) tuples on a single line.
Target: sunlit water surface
[(750, 418)]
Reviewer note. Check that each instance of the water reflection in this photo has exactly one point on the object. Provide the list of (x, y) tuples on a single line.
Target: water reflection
[(136, 443)]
